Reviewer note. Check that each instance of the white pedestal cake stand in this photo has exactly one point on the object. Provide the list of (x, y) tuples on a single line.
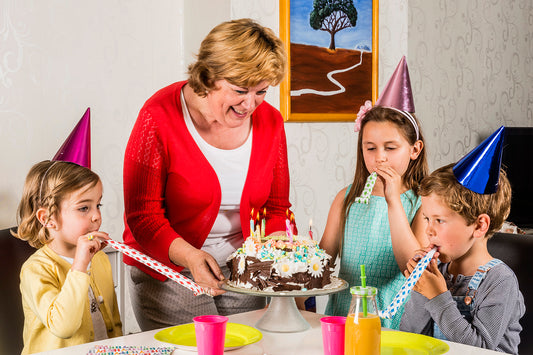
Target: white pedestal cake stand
[(282, 315)]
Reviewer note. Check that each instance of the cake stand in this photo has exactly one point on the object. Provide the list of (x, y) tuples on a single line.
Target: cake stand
[(282, 314)]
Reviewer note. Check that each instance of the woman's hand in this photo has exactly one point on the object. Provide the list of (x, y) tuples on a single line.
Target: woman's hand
[(205, 271), (203, 267), (87, 246)]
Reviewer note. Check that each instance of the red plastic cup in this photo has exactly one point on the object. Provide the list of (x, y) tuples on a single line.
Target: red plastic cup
[(333, 335), (210, 334)]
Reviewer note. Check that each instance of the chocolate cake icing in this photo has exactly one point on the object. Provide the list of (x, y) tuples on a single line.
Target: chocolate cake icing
[(280, 265)]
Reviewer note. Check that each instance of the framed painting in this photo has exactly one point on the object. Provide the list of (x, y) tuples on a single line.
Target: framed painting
[(332, 46)]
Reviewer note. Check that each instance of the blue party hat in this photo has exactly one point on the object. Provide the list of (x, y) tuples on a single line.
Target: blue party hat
[(479, 170)]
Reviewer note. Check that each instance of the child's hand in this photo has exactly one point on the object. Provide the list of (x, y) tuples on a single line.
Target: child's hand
[(87, 246), (431, 283), (392, 182), (420, 253)]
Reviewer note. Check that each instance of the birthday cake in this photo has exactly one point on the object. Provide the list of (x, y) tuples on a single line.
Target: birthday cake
[(280, 265)]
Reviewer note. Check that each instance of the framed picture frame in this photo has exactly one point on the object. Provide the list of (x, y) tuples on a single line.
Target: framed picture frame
[(332, 70)]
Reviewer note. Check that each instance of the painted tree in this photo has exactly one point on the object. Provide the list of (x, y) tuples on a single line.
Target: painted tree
[(332, 16)]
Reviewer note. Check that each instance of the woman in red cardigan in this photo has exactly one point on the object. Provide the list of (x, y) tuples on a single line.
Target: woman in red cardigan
[(201, 155)]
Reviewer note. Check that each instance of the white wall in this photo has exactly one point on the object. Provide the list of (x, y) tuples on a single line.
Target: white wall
[(59, 57), (470, 66)]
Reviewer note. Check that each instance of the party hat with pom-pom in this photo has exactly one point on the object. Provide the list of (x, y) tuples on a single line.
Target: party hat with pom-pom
[(479, 170), (397, 92), (77, 147)]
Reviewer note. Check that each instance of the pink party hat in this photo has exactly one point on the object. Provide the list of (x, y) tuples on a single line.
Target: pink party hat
[(397, 93), (77, 147), (479, 170)]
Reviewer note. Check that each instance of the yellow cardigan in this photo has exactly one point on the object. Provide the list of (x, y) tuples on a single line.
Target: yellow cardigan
[(56, 302)]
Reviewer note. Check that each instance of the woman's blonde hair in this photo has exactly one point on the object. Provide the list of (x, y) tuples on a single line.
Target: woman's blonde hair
[(240, 51), (469, 204), (416, 170), (47, 185)]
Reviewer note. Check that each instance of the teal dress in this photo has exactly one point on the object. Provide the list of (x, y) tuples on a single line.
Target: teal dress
[(367, 241)]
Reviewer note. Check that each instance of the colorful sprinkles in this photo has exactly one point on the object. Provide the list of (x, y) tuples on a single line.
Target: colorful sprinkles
[(130, 350)]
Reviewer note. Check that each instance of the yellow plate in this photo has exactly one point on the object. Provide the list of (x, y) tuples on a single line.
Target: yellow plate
[(237, 336), (396, 343)]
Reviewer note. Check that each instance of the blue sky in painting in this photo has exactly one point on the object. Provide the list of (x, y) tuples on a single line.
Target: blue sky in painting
[(351, 38)]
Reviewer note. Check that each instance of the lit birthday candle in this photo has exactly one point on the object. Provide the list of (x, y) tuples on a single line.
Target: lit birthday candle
[(252, 226), (310, 226), (288, 229), (293, 224), (258, 226), (263, 223)]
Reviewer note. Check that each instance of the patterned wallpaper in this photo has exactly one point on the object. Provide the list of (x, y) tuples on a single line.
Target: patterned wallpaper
[(471, 66)]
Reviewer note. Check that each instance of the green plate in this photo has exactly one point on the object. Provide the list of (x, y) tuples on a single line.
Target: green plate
[(237, 336), (403, 343)]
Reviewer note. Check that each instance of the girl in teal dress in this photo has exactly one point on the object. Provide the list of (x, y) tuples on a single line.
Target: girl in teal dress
[(384, 233)]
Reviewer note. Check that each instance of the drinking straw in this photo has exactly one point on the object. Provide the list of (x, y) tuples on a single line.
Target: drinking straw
[(363, 284)]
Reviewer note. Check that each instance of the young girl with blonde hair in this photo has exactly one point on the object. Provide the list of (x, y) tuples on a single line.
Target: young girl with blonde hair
[(67, 288)]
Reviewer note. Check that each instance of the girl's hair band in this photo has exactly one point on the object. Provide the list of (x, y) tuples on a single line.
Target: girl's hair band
[(411, 119)]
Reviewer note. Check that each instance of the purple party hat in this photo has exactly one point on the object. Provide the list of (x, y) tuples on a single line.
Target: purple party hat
[(397, 92), (77, 147), (479, 170)]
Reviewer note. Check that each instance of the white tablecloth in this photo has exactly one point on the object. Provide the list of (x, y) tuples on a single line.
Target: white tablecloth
[(308, 342)]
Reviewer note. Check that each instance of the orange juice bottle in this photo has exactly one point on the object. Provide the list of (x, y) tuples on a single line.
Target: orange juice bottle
[(363, 327)]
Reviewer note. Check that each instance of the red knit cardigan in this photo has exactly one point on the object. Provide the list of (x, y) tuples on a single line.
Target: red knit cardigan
[(171, 191)]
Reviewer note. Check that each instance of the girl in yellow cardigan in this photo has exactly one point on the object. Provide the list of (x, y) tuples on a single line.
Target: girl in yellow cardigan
[(67, 288)]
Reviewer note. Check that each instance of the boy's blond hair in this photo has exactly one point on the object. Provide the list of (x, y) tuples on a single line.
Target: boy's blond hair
[(468, 204), (240, 51), (48, 183)]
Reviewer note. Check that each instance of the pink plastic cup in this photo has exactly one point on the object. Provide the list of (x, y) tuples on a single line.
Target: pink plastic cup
[(333, 335), (210, 334)]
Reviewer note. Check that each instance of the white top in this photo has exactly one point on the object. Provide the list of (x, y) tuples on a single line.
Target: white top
[(231, 168)]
